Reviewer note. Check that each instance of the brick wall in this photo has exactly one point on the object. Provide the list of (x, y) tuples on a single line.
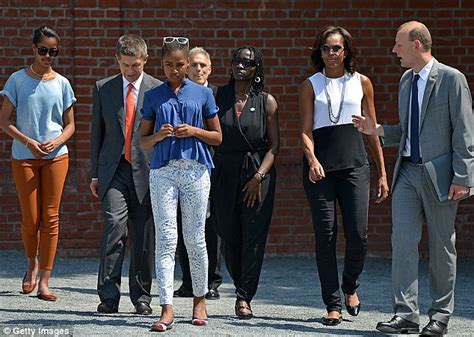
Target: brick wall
[(282, 29)]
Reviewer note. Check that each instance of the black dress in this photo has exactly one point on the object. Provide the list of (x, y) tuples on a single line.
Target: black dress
[(243, 230)]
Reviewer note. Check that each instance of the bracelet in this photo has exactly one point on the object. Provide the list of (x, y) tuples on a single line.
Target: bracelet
[(262, 175)]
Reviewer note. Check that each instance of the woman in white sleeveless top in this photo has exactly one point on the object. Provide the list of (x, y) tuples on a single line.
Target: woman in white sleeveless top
[(336, 167)]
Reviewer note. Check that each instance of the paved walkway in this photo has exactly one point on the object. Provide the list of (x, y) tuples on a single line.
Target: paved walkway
[(288, 303)]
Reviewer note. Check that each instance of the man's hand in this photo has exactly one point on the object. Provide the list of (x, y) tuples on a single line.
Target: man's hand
[(457, 191), (94, 186), (366, 125)]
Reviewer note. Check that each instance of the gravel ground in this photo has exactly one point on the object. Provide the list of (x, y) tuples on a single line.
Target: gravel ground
[(288, 303)]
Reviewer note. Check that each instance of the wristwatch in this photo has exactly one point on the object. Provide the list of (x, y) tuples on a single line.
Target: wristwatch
[(261, 175)]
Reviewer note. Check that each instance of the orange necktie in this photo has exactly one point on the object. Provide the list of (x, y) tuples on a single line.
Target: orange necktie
[(129, 121)]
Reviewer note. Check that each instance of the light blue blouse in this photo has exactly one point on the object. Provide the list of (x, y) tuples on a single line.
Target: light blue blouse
[(193, 103), (39, 109)]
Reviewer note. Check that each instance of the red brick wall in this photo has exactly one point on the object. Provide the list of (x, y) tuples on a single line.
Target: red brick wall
[(282, 29)]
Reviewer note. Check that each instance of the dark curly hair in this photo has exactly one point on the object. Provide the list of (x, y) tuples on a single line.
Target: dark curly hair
[(44, 32), (257, 87), (350, 62)]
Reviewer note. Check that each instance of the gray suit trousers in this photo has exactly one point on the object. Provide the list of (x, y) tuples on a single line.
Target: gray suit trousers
[(413, 203)]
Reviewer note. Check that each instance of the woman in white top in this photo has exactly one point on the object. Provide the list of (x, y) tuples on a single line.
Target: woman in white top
[(336, 166)]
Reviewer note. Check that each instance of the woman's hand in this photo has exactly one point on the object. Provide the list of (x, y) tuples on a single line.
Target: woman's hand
[(253, 191), (316, 171), (184, 131), (52, 145), (382, 189), (36, 149), (165, 131)]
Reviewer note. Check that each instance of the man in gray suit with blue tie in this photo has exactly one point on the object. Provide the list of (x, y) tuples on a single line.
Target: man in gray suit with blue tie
[(120, 178), (436, 127)]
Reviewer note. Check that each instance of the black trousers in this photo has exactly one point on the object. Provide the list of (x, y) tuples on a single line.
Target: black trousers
[(213, 244), (349, 188), (243, 230), (125, 218)]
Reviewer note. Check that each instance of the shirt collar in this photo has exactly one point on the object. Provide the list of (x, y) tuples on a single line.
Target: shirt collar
[(136, 84), (425, 71)]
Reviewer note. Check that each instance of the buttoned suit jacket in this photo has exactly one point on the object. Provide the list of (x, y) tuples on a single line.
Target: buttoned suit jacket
[(108, 135), (446, 122)]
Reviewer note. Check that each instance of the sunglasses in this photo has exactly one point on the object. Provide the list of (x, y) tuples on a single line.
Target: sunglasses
[(336, 49), (53, 52), (247, 63), (196, 64), (179, 39)]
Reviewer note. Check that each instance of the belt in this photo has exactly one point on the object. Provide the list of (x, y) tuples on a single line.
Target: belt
[(408, 159)]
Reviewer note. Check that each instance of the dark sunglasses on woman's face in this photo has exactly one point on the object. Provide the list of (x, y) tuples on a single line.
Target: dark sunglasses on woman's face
[(247, 63), (336, 49), (53, 52)]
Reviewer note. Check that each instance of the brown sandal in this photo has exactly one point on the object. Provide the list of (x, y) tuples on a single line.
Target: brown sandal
[(243, 310)]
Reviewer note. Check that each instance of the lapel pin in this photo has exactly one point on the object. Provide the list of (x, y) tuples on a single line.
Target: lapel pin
[(252, 109)]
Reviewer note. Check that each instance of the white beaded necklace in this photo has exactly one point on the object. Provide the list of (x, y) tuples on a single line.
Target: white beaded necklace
[(332, 117), (34, 72)]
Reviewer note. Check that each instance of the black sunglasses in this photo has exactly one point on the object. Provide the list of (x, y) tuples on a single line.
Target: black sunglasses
[(336, 49), (247, 63), (53, 52)]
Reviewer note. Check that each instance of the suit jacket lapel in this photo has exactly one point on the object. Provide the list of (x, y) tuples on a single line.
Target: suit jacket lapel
[(430, 83), (143, 87), (116, 97), (405, 88)]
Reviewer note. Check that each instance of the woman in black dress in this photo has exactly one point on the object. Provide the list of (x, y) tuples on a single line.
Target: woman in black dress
[(243, 181)]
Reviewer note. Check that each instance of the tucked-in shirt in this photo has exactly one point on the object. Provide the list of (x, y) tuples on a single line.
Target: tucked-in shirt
[(39, 106), (192, 104), (424, 73)]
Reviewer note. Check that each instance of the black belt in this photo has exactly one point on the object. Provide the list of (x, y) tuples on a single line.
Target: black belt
[(408, 159)]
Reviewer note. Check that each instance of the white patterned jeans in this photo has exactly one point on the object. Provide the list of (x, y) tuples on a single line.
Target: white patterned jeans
[(187, 181)]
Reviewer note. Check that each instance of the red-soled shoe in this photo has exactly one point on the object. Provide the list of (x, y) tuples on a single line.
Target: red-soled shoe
[(162, 326)]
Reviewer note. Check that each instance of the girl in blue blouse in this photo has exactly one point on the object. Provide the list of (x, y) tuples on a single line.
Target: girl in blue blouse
[(174, 115)]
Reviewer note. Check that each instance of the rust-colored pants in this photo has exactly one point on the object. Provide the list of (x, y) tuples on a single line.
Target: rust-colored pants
[(39, 184)]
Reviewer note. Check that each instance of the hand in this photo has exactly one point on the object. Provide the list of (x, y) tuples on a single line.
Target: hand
[(365, 125), (51, 145), (36, 149), (94, 186), (165, 131), (316, 172), (184, 131), (457, 191), (382, 189), (253, 191)]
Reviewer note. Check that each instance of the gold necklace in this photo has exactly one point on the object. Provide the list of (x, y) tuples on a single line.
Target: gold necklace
[(34, 72)]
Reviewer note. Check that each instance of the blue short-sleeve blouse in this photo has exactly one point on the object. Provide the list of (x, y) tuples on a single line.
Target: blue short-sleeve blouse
[(193, 103)]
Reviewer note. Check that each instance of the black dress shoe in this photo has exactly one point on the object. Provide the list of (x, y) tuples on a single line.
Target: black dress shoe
[(213, 294), (398, 325), (107, 307), (434, 328), (353, 311), (332, 321), (183, 292), (143, 308)]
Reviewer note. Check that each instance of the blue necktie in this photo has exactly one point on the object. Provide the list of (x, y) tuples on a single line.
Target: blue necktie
[(415, 122)]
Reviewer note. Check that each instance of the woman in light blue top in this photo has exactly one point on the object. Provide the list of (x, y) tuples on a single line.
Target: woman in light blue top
[(174, 115), (42, 100)]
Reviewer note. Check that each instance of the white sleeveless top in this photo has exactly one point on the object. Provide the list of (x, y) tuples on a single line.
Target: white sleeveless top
[(352, 98)]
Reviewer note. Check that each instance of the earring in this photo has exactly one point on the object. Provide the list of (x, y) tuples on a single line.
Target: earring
[(257, 79)]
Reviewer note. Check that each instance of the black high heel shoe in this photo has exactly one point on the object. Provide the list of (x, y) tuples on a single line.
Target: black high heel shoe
[(353, 311)]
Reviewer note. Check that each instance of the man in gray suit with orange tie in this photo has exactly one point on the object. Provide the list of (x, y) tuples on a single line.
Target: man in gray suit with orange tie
[(120, 178), (436, 122)]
